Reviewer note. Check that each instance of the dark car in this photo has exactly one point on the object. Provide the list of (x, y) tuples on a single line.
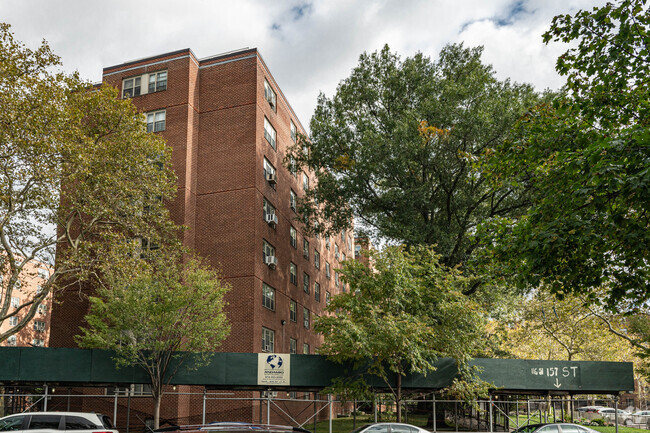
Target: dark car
[(558, 427)]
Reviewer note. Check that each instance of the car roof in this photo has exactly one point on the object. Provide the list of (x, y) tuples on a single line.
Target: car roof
[(56, 413), (233, 426)]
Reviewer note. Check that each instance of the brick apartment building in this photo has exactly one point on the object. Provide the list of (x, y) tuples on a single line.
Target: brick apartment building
[(37, 332), (229, 126)]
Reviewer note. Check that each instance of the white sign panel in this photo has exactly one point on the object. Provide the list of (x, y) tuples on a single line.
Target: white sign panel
[(273, 369)]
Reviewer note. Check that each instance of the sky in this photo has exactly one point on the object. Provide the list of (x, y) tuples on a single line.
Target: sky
[(308, 45)]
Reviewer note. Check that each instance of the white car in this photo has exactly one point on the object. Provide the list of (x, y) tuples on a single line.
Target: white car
[(55, 422), (389, 427)]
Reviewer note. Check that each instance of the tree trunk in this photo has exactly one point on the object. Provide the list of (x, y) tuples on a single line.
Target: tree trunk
[(156, 410), (398, 398)]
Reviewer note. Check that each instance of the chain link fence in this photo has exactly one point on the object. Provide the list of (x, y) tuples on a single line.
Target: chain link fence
[(131, 408)]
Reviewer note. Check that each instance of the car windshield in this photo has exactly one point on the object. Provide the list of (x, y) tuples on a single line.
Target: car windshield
[(527, 428)]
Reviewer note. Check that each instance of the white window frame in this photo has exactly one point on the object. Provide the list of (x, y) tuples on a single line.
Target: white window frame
[(305, 181), (268, 209), (267, 250), (157, 121), (38, 342), (269, 133), (306, 282), (11, 340), (15, 301), (129, 86), (293, 273), (294, 131), (269, 169), (305, 248), (268, 297), (13, 321), (293, 311), (159, 81), (293, 236), (305, 351), (328, 271), (305, 317), (317, 291), (316, 259), (293, 200), (39, 326), (270, 95), (293, 346), (268, 340)]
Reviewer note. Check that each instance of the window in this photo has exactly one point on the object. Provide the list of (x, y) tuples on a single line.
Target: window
[(268, 296), (269, 95), (336, 251), (327, 270), (157, 81), (44, 422), (357, 251), (294, 131), (305, 317), (43, 273), (292, 166), (293, 311), (268, 250), (336, 278), (15, 302), (305, 282), (305, 349), (269, 132), (78, 423), (293, 274), (349, 243), (327, 298), (39, 326), (305, 182), (305, 248), (269, 213), (293, 237), (270, 173), (13, 321), (42, 309), (327, 243), (156, 121), (268, 340), (38, 342), (343, 257), (293, 346), (317, 291), (11, 340), (39, 289), (293, 199), (316, 259), (131, 87)]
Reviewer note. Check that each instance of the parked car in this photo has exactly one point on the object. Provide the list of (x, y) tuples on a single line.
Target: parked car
[(589, 409), (554, 428), (609, 413), (234, 427), (641, 417), (53, 422), (389, 427)]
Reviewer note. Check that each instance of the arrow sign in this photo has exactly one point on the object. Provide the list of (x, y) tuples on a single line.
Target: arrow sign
[(557, 384)]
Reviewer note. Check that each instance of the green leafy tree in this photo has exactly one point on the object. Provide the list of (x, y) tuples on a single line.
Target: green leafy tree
[(400, 316), (156, 313), (55, 130), (393, 148), (584, 162)]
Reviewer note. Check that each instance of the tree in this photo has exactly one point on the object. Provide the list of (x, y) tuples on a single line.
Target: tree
[(400, 316), (584, 161), (393, 148), (74, 158), (156, 313), (547, 328)]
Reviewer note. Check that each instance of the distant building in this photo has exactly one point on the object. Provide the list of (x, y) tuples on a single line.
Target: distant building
[(37, 331)]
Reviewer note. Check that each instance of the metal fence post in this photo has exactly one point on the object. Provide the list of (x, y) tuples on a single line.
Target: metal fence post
[(115, 406), (616, 413), (45, 400), (268, 406), (204, 401), (435, 421), (329, 402), (490, 412)]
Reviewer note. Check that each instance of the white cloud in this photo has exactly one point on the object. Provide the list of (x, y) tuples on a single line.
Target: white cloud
[(308, 45)]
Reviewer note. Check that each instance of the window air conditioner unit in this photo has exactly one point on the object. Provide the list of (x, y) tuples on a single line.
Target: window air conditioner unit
[(271, 261), (271, 178), (271, 219)]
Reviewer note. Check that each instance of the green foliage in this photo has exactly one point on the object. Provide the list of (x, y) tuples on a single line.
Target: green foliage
[(585, 162), (401, 315), (75, 158), (155, 311), (393, 148)]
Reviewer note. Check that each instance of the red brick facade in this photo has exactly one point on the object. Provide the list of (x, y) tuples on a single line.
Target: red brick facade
[(215, 113)]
